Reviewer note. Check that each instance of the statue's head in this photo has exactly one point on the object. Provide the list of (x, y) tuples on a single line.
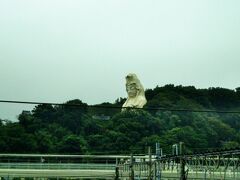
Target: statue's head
[(133, 85)]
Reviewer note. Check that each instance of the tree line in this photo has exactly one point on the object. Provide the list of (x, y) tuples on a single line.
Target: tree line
[(84, 129)]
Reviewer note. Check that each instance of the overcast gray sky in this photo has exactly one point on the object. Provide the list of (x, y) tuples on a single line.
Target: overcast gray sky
[(57, 50)]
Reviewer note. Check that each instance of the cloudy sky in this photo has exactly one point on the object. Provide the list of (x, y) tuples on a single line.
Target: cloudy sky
[(57, 50)]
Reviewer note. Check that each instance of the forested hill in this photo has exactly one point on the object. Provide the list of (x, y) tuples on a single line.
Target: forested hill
[(178, 96), (105, 129)]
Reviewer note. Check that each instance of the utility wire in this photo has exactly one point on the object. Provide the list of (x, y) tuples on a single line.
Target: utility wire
[(117, 107)]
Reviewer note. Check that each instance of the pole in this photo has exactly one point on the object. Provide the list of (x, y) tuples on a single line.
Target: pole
[(175, 149), (117, 170), (158, 162), (182, 162), (117, 173), (131, 168), (150, 163)]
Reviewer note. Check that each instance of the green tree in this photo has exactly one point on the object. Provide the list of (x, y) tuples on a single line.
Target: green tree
[(73, 144)]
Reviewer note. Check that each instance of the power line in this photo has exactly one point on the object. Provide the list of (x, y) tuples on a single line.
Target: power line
[(117, 107)]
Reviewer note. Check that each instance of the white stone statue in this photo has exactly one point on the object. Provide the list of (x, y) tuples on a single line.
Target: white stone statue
[(136, 95)]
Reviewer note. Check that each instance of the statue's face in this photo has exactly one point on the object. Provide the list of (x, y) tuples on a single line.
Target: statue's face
[(131, 89)]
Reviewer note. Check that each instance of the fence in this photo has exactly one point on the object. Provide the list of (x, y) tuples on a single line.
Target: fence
[(223, 164)]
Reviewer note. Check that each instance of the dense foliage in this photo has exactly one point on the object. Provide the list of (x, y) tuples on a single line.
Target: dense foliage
[(105, 129)]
